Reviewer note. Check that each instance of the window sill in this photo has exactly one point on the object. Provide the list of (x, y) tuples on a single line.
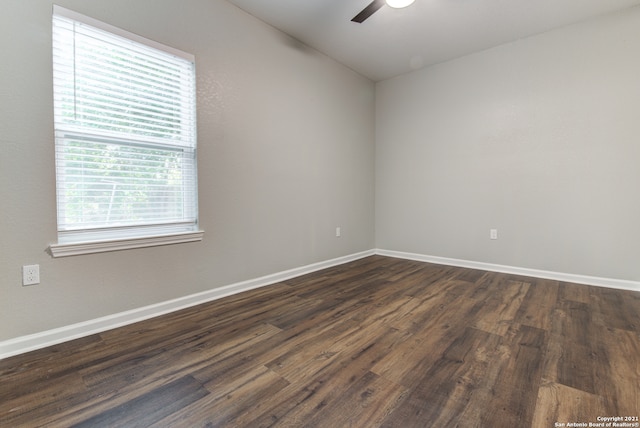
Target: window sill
[(79, 248)]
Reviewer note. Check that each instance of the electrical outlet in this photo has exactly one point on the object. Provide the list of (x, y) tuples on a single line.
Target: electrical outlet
[(493, 234), (338, 232), (30, 274)]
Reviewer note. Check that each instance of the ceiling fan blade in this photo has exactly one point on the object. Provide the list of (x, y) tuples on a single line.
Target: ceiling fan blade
[(368, 11)]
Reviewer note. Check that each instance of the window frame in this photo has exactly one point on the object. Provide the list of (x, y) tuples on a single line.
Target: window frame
[(112, 238)]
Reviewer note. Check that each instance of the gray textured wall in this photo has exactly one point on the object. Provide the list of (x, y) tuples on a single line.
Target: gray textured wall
[(539, 139), (286, 154)]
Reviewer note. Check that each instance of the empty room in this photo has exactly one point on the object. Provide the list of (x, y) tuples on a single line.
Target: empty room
[(320, 213)]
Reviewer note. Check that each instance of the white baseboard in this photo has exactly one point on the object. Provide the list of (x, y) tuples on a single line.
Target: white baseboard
[(558, 276), (20, 345)]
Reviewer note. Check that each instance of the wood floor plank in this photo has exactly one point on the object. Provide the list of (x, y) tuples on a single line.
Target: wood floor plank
[(621, 386), (429, 304), (470, 275), (376, 342), (440, 316), (514, 390), (199, 351), (579, 359), (542, 293), (575, 292), (311, 357), (619, 309), (325, 386), (43, 402), (150, 407), (499, 308), (560, 404), (365, 403), (442, 392), (231, 400)]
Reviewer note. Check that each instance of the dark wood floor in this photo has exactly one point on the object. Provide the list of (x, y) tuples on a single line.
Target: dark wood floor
[(376, 342)]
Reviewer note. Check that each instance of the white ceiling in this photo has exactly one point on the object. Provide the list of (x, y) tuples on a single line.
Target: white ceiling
[(396, 41)]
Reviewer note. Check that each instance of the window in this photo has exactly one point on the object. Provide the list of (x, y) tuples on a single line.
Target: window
[(125, 138)]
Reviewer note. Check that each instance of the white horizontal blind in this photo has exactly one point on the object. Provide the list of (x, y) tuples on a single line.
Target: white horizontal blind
[(125, 132)]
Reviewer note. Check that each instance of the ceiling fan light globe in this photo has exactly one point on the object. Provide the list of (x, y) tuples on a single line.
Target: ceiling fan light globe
[(399, 3)]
